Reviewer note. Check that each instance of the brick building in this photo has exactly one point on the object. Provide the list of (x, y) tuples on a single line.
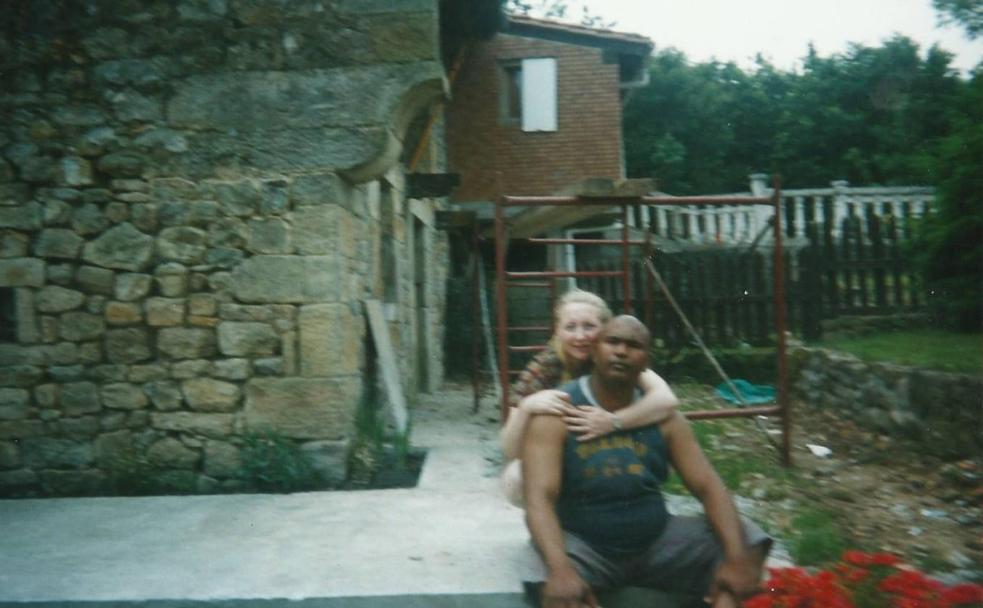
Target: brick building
[(537, 108)]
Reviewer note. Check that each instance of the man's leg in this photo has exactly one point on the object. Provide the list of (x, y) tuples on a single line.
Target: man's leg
[(597, 571), (686, 555)]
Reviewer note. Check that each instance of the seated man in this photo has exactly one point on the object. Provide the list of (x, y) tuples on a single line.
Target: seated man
[(595, 509)]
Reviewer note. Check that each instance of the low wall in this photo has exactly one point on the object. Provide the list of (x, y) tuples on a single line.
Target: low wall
[(942, 410)]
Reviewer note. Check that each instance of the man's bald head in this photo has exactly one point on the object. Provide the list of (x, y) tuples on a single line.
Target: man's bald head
[(631, 324)]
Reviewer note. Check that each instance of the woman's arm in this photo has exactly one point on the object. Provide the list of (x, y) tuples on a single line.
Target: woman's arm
[(551, 401), (657, 404)]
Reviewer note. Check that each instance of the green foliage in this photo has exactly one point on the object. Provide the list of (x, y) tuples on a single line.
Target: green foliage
[(816, 538), (131, 475), (949, 244), (273, 463), (870, 115), (933, 349), (967, 13)]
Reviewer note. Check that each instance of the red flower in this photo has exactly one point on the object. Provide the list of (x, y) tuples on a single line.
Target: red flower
[(862, 580)]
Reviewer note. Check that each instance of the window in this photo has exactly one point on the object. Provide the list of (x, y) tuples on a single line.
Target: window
[(528, 94)]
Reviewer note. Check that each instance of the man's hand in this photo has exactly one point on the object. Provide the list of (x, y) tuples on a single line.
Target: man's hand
[(565, 589), (550, 401), (588, 422), (739, 576)]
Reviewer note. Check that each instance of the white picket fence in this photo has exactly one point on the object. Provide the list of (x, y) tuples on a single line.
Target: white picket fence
[(740, 225)]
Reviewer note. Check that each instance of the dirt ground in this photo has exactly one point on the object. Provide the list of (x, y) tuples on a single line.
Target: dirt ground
[(887, 496)]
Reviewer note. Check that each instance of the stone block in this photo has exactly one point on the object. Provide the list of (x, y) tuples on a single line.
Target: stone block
[(127, 345), (147, 373), (242, 339), (123, 396), (9, 455), (22, 217), (202, 304), (329, 459), (47, 395), (13, 244), (171, 453), (216, 426), (165, 312), (231, 369), (222, 459), (79, 326), (123, 313), (118, 212), (66, 373), (182, 244), (53, 298), (108, 372), (18, 478), (58, 213), (44, 452), (132, 286), (58, 243), (268, 366), (19, 429), (164, 394), (96, 280), (287, 279), (319, 189), (63, 353), (330, 340), (85, 427), (75, 483), (172, 279), (21, 272), (186, 343), (209, 395), (15, 354), (74, 171), (193, 368), (20, 375), (122, 164), (238, 198), (228, 232), (88, 220), (13, 403), (303, 408), (122, 247), (269, 236), (200, 214)]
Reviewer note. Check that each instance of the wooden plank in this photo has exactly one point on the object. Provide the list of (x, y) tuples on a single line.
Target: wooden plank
[(387, 362)]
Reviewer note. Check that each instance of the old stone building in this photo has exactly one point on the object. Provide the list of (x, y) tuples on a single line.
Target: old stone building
[(196, 199)]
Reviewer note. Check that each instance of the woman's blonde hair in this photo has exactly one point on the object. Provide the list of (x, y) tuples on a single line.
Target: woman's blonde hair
[(579, 296)]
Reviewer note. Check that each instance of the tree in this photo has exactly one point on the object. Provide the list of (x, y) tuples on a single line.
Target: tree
[(967, 13)]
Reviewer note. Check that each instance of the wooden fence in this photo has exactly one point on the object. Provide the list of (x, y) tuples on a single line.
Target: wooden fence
[(727, 292)]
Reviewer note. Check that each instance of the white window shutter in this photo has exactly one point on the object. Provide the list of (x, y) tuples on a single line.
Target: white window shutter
[(539, 94)]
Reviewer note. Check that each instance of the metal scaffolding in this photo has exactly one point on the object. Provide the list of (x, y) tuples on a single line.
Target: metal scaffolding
[(506, 279)]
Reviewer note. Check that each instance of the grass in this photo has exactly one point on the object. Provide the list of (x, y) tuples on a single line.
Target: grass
[(932, 349), (813, 535)]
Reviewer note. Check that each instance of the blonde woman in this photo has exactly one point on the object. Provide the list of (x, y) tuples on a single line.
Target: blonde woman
[(578, 317)]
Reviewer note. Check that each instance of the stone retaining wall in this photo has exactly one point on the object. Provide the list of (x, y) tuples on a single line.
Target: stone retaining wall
[(195, 199), (944, 410)]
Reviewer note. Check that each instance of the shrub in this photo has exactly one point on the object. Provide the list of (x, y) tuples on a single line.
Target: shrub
[(273, 463)]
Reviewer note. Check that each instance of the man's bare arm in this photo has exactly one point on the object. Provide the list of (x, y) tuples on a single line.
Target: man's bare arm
[(542, 472), (741, 567)]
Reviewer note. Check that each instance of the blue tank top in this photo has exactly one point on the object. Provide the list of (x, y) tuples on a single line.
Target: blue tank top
[(611, 493)]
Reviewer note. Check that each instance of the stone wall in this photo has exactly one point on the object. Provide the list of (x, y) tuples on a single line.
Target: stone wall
[(944, 410), (195, 199)]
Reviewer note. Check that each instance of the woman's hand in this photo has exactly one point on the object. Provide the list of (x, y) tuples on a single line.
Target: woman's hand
[(552, 402), (588, 422)]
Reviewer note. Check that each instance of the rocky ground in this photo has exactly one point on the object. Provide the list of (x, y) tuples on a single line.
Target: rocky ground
[(886, 495)]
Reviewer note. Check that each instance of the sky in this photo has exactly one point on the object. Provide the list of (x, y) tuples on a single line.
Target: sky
[(735, 30)]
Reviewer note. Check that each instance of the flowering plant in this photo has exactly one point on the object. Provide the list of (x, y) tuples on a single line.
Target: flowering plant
[(862, 580)]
